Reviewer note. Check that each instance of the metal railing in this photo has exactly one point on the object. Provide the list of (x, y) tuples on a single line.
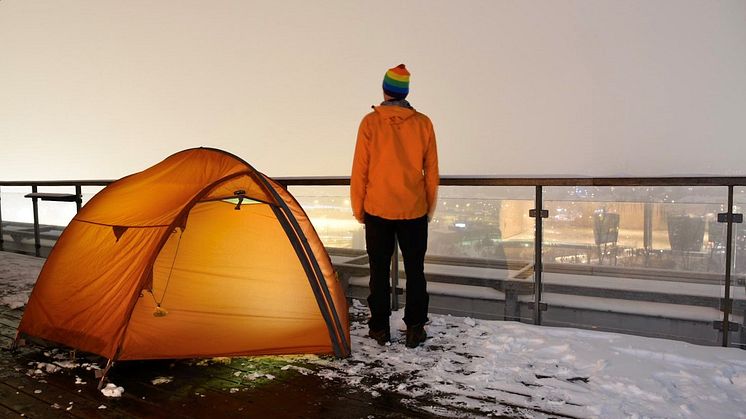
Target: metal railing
[(538, 212)]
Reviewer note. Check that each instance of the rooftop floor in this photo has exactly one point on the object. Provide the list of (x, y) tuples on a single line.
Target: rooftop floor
[(44, 382), (467, 368)]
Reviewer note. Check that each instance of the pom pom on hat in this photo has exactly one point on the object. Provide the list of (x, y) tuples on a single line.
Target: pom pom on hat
[(396, 82)]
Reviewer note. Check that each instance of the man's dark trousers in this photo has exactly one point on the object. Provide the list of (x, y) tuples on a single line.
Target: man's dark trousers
[(379, 240)]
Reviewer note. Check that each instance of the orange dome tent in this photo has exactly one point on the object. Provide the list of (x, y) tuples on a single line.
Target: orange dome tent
[(197, 256)]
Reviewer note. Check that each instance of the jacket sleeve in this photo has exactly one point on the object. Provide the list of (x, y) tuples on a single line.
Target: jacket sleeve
[(432, 177), (359, 177)]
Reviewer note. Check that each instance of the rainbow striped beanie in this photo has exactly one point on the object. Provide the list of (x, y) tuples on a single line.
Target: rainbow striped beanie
[(396, 82)]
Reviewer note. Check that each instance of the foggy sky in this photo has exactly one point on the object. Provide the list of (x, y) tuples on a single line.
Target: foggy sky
[(101, 89)]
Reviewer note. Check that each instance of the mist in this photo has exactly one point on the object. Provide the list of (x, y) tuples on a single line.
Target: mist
[(102, 89)]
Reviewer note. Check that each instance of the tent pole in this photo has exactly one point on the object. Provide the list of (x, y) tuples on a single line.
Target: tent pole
[(103, 373)]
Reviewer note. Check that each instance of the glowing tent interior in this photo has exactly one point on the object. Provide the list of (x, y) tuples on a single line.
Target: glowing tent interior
[(197, 256)]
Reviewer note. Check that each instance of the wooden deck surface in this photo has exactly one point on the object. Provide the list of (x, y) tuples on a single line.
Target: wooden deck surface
[(199, 389)]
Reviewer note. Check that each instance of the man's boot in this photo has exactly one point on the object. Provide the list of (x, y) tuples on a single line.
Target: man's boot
[(415, 335), (380, 336)]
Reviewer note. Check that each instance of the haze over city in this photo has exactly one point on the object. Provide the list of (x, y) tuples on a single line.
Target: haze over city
[(98, 90)]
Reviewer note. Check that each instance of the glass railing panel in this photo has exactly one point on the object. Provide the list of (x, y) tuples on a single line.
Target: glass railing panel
[(328, 208), (640, 260), (18, 216), (738, 278), (480, 247), (17, 219), (54, 216), (16, 208), (53, 213), (483, 222)]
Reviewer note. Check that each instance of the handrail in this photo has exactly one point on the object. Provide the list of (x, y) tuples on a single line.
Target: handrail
[(539, 181), (55, 182), (457, 180)]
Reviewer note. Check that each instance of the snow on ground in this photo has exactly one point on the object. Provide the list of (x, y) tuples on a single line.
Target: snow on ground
[(480, 364), (498, 367)]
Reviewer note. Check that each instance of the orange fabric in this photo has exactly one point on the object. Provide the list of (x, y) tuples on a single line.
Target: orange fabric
[(238, 286), (157, 195), (233, 290), (87, 285), (395, 167), (339, 299)]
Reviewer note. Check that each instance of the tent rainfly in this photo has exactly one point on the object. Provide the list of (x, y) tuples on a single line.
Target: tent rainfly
[(198, 256)]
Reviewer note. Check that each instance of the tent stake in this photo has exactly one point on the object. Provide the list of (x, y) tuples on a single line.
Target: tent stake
[(17, 341), (103, 373)]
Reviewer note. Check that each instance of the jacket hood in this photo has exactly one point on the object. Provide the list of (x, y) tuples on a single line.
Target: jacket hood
[(394, 114)]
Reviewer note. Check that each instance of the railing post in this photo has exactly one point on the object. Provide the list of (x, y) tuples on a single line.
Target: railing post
[(79, 200), (728, 259), (395, 276), (37, 238), (539, 213), (647, 231)]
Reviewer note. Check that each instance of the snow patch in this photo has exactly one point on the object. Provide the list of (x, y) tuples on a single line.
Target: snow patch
[(303, 371), (161, 380), (112, 390), (42, 367), (257, 375)]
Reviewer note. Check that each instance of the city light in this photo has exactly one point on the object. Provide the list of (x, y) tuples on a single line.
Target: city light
[(484, 224)]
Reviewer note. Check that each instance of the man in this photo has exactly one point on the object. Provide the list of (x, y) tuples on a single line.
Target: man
[(393, 191)]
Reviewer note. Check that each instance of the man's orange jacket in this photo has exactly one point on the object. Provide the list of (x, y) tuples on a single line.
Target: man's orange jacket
[(395, 168)]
